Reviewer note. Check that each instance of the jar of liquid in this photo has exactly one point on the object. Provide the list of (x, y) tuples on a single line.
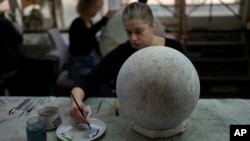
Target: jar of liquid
[(36, 130)]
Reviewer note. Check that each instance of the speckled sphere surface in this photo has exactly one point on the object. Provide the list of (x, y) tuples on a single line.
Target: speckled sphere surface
[(158, 87)]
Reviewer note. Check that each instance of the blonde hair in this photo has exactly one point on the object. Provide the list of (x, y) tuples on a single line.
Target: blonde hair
[(83, 5), (138, 10)]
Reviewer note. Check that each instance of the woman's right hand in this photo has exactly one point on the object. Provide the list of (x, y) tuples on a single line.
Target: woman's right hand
[(110, 14), (75, 113)]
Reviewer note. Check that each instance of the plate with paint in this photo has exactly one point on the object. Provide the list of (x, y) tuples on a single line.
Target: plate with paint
[(71, 130)]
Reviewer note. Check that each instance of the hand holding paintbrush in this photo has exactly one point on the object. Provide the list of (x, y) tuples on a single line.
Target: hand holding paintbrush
[(81, 111)]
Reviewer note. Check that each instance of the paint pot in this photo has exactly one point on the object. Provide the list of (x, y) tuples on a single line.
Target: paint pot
[(51, 117), (36, 129)]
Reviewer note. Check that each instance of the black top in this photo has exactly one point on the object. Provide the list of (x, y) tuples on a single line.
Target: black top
[(82, 39), (10, 39), (108, 69)]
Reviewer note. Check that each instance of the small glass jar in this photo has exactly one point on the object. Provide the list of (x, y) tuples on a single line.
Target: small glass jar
[(36, 130)]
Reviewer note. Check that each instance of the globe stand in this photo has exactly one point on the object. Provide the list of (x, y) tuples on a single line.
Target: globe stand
[(160, 133)]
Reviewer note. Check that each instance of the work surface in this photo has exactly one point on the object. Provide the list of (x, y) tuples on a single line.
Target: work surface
[(209, 121)]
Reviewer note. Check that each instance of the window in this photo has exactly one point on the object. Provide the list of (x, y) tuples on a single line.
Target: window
[(197, 8), (159, 7), (32, 15), (66, 10), (194, 8)]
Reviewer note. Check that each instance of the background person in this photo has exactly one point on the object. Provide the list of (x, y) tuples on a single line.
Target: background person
[(82, 37), (10, 39)]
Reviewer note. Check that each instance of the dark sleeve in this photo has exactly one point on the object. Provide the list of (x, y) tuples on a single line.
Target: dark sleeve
[(11, 32), (77, 27), (98, 51), (96, 27), (104, 72), (80, 35), (176, 45)]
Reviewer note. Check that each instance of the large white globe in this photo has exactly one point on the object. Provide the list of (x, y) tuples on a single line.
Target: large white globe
[(158, 87)]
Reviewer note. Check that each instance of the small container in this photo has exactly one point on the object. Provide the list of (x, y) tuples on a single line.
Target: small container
[(51, 117), (36, 129)]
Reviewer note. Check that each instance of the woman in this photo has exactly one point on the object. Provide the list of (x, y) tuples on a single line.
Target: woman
[(82, 37), (138, 22), (11, 39)]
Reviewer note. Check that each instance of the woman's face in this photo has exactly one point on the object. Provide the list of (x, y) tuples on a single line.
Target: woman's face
[(95, 8), (139, 33)]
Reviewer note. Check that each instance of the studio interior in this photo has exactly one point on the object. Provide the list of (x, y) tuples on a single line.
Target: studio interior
[(124, 70), (215, 34)]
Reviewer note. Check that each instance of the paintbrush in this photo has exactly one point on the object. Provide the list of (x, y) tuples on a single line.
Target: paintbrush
[(25, 108), (99, 106), (116, 105), (81, 111), (19, 106), (33, 105), (30, 106)]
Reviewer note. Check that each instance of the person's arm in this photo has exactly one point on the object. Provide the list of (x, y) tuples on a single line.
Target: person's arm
[(82, 38), (103, 73), (15, 35), (85, 86), (88, 85), (96, 27), (75, 114)]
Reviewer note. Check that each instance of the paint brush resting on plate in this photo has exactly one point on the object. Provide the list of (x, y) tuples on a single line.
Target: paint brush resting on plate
[(81, 111)]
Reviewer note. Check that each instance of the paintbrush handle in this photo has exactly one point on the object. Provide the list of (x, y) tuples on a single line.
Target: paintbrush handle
[(33, 105), (19, 106), (116, 105), (99, 106), (25, 108), (77, 105), (81, 111)]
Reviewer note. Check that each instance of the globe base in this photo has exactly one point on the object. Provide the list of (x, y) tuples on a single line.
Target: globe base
[(161, 133)]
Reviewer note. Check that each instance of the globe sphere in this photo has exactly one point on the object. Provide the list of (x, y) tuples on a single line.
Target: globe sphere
[(158, 87)]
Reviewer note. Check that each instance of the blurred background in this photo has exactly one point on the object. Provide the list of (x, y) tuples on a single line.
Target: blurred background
[(215, 34)]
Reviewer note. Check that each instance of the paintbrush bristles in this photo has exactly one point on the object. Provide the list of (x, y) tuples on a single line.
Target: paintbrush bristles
[(117, 106)]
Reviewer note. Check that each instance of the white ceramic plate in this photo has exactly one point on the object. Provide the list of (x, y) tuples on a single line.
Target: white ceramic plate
[(69, 129)]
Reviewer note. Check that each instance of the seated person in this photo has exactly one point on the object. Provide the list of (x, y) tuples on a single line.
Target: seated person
[(11, 38), (82, 37), (111, 38), (10, 57), (139, 25)]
